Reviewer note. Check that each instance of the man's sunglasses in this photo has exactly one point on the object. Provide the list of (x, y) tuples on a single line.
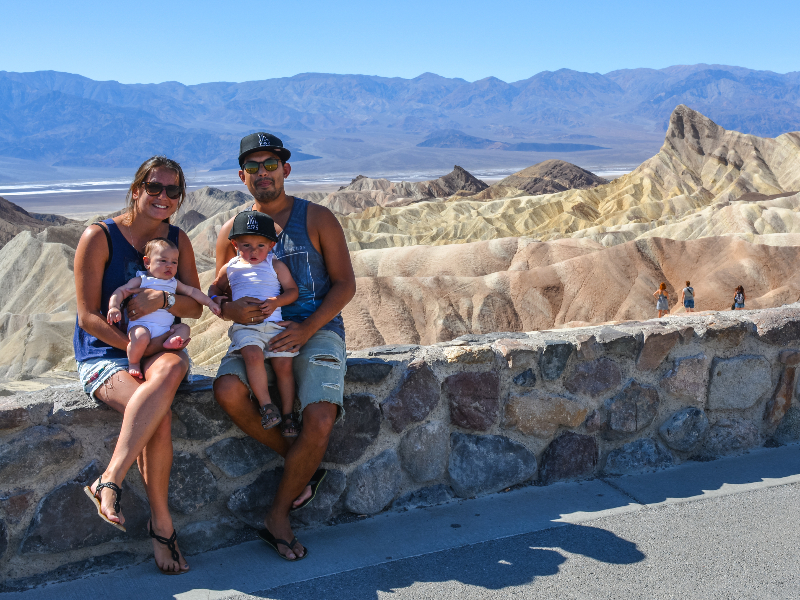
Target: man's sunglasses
[(252, 166), (153, 188)]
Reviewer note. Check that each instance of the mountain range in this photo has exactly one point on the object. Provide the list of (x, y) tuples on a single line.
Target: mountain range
[(70, 120)]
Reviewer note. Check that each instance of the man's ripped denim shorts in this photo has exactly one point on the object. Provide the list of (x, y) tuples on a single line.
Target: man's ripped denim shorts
[(318, 368)]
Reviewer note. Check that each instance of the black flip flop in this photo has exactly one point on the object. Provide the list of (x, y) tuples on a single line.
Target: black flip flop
[(315, 482), (265, 535)]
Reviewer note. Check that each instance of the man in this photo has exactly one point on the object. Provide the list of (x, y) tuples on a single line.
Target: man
[(313, 246)]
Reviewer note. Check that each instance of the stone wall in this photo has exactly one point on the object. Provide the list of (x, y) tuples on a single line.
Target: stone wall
[(423, 425)]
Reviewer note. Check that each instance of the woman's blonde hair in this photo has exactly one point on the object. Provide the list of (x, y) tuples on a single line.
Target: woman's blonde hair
[(147, 167), (663, 286)]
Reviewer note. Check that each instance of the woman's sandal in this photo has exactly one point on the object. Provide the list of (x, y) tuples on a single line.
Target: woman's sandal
[(169, 543), (270, 416), (95, 497), (290, 426)]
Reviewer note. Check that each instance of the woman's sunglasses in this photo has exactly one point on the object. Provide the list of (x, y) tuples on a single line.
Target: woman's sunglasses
[(153, 188), (252, 166)]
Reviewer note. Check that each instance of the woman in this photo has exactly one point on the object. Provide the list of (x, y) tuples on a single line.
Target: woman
[(662, 304), (687, 297), (108, 255), (739, 298)]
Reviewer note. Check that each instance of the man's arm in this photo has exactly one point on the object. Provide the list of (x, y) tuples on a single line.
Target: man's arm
[(333, 247)]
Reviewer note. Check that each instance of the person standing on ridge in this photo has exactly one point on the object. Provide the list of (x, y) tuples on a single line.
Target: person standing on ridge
[(312, 245), (739, 298), (687, 297), (662, 303)]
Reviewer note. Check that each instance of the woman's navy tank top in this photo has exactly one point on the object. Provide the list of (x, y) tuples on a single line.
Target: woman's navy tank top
[(122, 266), (307, 266)]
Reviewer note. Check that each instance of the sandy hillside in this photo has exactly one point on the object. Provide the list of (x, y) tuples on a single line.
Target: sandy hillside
[(717, 207)]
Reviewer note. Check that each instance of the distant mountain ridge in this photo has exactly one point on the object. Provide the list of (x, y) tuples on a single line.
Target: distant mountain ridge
[(72, 120)]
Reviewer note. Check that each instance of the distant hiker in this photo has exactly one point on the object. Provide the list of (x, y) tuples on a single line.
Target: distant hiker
[(255, 272), (739, 298), (312, 245), (108, 255), (687, 297), (161, 262), (662, 303)]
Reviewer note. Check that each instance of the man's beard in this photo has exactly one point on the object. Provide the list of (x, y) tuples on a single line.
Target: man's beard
[(267, 194)]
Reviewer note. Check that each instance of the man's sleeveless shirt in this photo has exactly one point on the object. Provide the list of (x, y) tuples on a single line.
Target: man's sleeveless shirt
[(307, 266)]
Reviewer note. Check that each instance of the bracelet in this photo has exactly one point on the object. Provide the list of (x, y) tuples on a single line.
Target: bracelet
[(214, 296), (165, 298)]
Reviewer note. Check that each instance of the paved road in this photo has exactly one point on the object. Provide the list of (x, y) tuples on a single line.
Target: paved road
[(723, 529)]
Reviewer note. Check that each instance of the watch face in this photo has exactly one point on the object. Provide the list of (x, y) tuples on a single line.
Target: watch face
[(170, 300)]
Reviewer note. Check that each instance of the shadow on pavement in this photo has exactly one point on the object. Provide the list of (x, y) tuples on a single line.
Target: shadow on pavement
[(493, 565)]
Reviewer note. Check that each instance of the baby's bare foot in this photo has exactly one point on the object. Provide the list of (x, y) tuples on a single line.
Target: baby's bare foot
[(135, 370), (174, 343)]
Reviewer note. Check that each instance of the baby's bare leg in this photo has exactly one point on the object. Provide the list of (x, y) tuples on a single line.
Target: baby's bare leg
[(138, 338), (282, 365), (180, 332)]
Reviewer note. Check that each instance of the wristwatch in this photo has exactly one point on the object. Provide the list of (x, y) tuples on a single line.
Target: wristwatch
[(170, 300)]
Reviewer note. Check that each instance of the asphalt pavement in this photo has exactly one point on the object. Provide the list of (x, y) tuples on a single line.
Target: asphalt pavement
[(722, 529)]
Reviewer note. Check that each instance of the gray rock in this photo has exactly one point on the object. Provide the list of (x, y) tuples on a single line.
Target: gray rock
[(239, 456), (482, 464), (554, 359), (427, 496), (322, 508), (191, 484), (739, 382), (74, 408), (23, 410), (72, 571), (779, 326), (730, 436), (633, 409), (688, 379), (474, 399), (367, 370), (730, 333), (392, 349), (251, 503), (684, 429), (3, 538), (414, 397), (355, 433), (639, 455), (624, 345), (781, 400), (597, 420), (202, 536), (788, 430), (424, 451), (35, 450), (66, 519), (373, 485), (569, 456), (525, 379), (201, 415), (594, 378), (656, 346), (16, 504)]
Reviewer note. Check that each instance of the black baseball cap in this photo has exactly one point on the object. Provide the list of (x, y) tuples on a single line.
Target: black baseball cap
[(252, 222), (256, 142)]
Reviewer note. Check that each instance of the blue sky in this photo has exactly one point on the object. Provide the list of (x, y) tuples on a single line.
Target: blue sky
[(199, 41)]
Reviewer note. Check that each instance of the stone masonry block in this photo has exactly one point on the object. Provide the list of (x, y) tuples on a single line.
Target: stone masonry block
[(474, 399), (413, 398), (569, 456), (633, 409), (739, 382), (684, 429), (355, 433), (541, 414), (374, 484), (657, 345), (481, 464), (36, 449), (688, 379), (594, 378), (424, 451), (554, 359)]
